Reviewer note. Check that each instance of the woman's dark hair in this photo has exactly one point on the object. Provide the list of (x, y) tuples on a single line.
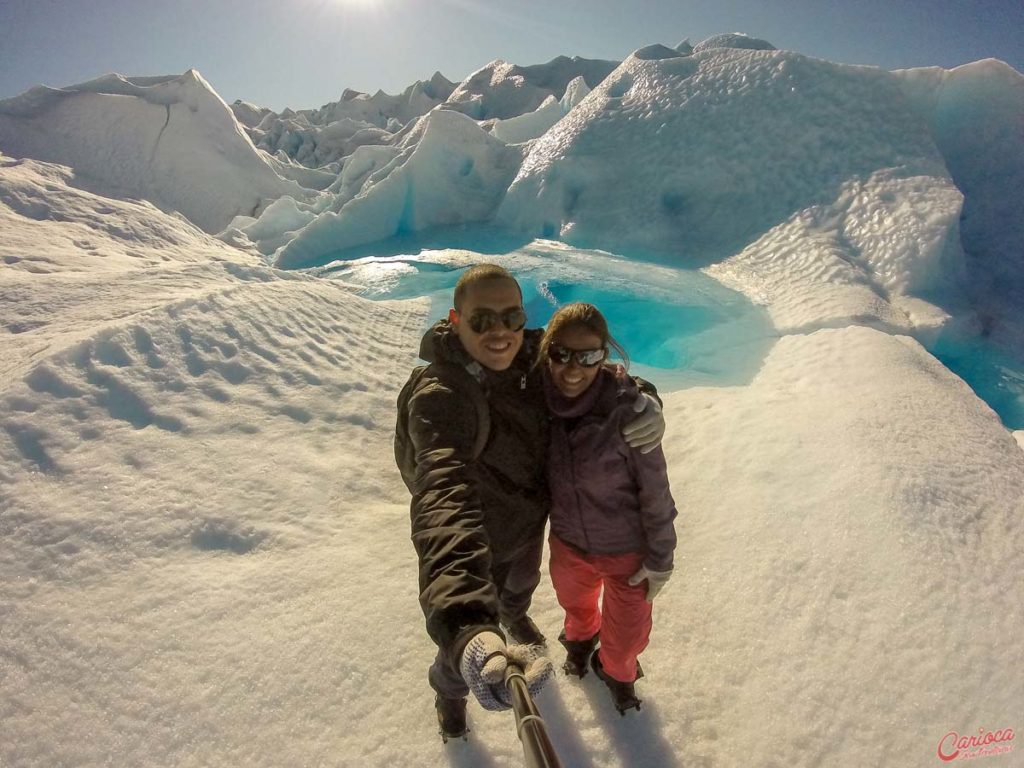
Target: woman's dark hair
[(580, 314)]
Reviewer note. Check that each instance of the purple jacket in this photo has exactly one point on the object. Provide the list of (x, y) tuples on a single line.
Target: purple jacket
[(607, 498)]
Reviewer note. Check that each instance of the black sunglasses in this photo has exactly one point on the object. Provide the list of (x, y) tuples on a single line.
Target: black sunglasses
[(585, 358), (483, 320)]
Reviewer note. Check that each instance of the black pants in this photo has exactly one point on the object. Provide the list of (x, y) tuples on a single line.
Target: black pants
[(516, 579)]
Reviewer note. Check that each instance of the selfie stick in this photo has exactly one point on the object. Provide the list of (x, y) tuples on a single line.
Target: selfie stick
[(537, 747)]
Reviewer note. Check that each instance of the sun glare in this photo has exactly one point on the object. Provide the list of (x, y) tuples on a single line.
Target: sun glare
[(359, 7)]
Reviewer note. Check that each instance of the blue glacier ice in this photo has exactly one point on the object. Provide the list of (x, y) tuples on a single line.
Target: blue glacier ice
[(679, 326)]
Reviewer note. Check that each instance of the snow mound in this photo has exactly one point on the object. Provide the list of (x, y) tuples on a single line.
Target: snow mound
[(275, 227), (863, 260), (526, 127), (359, 168), (310, 178), (157, 367), (502, 90), (693, 159), (379, 109), (249, 115), (975, 113), (188, 457), (52, 224), (733, 40), (522, 128), (169, 140), (656, 53), (317, 137), (451, 172), (315, 145), (860, 578)]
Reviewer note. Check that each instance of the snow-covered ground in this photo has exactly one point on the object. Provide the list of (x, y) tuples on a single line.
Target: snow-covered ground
[(205, 555)]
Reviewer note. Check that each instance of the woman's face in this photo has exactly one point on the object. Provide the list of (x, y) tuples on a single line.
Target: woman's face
[(572, 379)]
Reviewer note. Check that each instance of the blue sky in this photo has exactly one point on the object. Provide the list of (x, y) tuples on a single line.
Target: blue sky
[(303, 53)]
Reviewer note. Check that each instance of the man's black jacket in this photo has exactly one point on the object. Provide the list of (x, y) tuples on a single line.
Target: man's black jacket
[(467, 513)]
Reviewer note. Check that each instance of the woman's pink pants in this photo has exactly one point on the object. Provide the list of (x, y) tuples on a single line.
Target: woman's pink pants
[(623, 616)]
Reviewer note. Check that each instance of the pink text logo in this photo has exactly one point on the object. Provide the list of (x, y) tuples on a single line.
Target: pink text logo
[(986, 743)]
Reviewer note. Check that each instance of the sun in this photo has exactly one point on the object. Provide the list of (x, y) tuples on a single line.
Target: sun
[(361, 7)]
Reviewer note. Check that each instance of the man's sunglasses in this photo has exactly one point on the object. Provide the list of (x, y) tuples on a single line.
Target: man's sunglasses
[(585, 358), (483, 320)]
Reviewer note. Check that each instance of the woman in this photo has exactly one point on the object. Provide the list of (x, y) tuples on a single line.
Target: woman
[(612, 511)]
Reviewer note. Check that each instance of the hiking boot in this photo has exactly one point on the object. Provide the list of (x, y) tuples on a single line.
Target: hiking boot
[(451, 716), (623, 694), (525, 632), (578, 652)]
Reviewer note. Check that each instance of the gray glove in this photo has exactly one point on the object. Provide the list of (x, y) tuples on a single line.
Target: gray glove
[(647, 429), (656, 581), (483, 668)]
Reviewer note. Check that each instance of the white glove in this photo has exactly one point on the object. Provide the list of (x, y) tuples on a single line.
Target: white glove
[(656, 581), (647, 429), (483, 668)]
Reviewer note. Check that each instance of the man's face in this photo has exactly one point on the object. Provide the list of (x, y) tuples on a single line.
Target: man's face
[(496, 347)]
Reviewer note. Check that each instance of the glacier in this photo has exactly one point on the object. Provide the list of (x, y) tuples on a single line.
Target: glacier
[(171, 141), (206, 312)]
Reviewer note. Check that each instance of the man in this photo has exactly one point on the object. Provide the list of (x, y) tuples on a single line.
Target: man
[(477, 471)]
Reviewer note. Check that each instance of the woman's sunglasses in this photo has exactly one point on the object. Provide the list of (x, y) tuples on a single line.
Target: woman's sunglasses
[(483, 320), (585, 358)]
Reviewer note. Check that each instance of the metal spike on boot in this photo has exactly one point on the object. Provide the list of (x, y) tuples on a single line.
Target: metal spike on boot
[(623, 694), (578, 653)]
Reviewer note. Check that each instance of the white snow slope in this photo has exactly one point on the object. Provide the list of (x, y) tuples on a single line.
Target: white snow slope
[(204, 552), (172, 141)]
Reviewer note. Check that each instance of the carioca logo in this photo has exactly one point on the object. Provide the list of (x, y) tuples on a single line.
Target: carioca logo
[(952, 744)]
